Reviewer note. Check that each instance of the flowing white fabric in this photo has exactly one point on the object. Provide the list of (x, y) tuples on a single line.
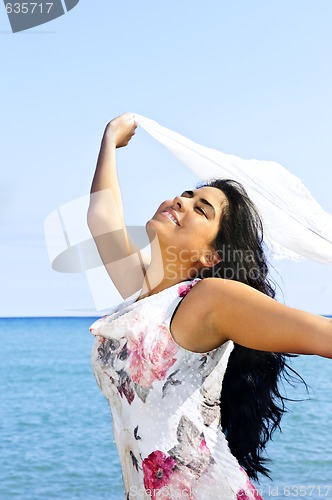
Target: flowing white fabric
[(295, 225)]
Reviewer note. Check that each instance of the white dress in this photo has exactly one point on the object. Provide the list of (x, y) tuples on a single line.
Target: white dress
[(164, 401)]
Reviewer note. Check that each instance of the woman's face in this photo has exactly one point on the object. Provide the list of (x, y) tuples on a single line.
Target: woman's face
[(189, 223)]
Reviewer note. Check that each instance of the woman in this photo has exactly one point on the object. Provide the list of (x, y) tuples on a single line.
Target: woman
[(185, 426)]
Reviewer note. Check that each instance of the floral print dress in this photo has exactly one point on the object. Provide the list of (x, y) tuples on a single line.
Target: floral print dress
[(164, 401)]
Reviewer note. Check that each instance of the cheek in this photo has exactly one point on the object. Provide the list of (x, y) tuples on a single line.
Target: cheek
[(207, 235)]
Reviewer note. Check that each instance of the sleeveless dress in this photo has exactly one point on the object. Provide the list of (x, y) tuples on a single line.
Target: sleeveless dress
[(164, 402)]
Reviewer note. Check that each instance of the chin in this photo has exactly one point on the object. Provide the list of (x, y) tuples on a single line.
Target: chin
[(151, 229), (156, 229), (153, 224)]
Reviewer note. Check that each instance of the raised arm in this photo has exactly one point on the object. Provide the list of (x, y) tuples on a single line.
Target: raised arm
[(122, 259)]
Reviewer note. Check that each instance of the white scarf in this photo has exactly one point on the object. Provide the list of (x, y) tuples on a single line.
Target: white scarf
[(295, 225)]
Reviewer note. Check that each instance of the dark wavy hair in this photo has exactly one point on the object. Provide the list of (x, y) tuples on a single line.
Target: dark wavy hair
[(251, 402)]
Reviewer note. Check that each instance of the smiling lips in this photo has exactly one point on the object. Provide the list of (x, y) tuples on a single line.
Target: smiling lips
[(171, 217)]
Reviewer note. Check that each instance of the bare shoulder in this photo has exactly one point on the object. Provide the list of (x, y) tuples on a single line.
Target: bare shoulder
[(191, 326), (217, 310), (213, 311), (209, 291)]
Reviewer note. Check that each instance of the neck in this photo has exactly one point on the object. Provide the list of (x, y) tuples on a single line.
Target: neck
[(164, 272)]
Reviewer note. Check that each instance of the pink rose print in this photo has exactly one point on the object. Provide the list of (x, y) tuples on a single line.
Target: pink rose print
[(173, 480), (203, 447), (184, 289), (149, 363), (157, 470), (253, 490)]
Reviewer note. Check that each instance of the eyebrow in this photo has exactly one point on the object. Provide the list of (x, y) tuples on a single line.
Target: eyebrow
[(202, 200)]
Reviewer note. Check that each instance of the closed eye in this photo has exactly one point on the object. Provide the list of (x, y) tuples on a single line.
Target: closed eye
[(211, 209), (202, 211)]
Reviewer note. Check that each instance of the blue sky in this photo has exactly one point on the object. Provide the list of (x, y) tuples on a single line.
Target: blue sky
[(250, 78)]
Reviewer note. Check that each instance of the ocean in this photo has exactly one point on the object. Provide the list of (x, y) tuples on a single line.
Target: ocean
[(56, 436)]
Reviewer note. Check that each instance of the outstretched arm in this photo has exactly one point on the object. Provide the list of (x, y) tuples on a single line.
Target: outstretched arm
[(217, 310), (254, 320), (123, 261)]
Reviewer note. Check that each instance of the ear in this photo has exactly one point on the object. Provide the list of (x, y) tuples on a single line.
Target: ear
[(210, 258)]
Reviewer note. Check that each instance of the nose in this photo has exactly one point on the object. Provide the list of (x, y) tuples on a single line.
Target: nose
[(178, 203)]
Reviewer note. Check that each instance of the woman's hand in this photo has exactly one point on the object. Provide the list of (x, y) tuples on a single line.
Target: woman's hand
[(120, 130)]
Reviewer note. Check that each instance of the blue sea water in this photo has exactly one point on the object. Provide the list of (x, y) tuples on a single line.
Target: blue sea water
[(56, 437)]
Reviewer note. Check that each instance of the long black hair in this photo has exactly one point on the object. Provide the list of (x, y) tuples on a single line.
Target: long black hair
[(251, 402)]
